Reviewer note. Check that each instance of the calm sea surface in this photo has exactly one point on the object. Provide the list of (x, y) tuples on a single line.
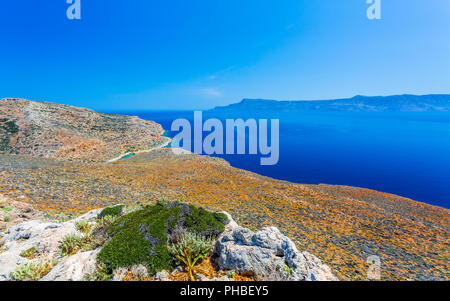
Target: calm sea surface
[(407, 154)]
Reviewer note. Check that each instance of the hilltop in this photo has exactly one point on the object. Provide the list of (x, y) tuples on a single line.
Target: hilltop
[(395, 103), (51, 130), (341, 225)]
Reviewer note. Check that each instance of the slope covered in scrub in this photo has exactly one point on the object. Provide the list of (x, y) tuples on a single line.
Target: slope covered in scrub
[(51, 130), (141, 237), (343, 226)]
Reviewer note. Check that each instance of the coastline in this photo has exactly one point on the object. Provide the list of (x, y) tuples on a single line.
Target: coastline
[(129, 154)]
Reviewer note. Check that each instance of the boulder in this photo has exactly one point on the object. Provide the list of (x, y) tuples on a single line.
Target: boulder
[(44, 236), (267, 255), (74, 268)]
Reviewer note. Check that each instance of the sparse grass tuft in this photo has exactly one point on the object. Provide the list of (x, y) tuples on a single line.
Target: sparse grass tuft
[(104, 222), (164, 201), (7, 209), (29, 253), (231, 274), (33, 270), (72, 243), (84, 227), (288, 269)]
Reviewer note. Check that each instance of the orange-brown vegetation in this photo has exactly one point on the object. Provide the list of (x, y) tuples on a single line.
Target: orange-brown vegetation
[(51, 130), (341, 225)]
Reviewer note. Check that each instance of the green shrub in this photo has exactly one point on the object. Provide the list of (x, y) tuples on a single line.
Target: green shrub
[(141, 237), (7, 218), (200, 220), (70, 244), (191, 248), (33, 270), (30, 253), (87, 243), (111, 211)]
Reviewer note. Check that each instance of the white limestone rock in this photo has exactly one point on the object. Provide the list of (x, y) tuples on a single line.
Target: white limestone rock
[(268, 255), (41, 235)]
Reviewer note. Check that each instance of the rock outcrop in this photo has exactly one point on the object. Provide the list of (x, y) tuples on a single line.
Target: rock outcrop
[(74, 268), (44, 237), (267, 255)]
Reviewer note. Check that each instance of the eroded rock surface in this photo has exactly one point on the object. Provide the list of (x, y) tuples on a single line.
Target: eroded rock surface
[(74, 268), (43, 236), (267, 255)]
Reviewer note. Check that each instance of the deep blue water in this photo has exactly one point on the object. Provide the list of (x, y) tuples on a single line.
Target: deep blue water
[(407, 154)]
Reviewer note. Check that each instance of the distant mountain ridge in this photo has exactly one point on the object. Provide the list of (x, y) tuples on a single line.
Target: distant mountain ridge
[(395, 103)]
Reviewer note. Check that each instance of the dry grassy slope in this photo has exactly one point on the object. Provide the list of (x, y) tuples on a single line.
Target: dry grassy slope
[(58, 131), (341, 225)]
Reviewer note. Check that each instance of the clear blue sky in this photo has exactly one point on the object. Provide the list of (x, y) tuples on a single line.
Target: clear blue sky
[(179, 54)]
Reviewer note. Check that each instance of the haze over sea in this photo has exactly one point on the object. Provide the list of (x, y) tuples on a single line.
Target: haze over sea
[(405, 153)]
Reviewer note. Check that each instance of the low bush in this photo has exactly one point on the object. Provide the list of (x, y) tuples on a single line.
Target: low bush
[(141, 237), (112, 211), (84, 227), (72, 243)]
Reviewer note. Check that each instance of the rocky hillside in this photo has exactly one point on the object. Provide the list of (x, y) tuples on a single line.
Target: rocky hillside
[(64, 132), (342, 226), (153, 242)]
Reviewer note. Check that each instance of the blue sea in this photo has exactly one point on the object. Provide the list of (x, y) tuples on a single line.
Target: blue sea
[(407, 154)]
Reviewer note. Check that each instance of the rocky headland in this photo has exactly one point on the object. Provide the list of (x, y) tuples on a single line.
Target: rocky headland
[(50, 130)]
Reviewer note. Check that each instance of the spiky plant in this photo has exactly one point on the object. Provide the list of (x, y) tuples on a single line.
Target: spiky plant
[(189, 249)]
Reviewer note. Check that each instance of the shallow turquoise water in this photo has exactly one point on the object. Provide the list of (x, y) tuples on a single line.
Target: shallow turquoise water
[(127, 156)]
